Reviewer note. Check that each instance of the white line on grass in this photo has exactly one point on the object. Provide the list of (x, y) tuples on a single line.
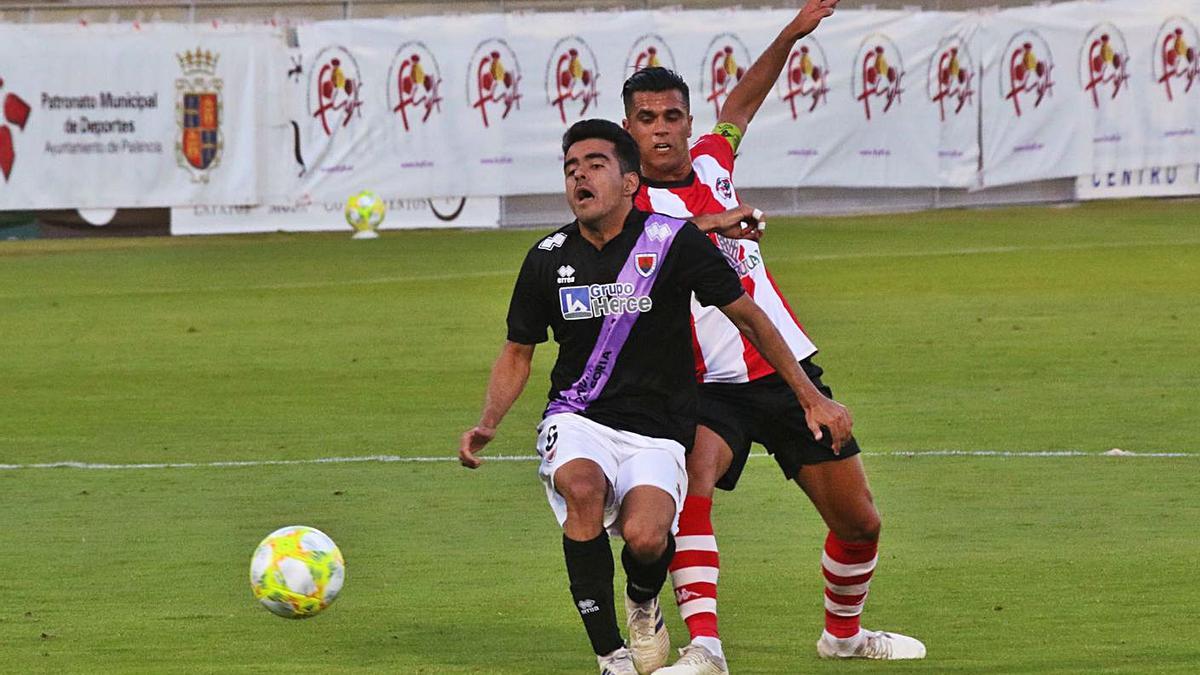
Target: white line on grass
[(509, 273), (95, 466)]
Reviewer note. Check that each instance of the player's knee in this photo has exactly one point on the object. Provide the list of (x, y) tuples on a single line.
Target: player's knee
[(645, 540), (864, 528), (582, 491)]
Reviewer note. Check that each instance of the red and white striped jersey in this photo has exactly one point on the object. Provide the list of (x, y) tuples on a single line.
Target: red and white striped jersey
[(722, 353)]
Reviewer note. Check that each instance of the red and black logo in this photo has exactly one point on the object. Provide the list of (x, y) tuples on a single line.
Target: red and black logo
[(1026, 70), (1176, 66), (494, 80), (414, 84), (952, 74), (1104, 63), (878, 73), (334, 89), (723, 67), (571, 75), (805, 79)]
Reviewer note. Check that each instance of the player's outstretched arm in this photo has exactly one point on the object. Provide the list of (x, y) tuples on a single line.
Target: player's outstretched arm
[(509, 375), (747, 97), (819, 410)]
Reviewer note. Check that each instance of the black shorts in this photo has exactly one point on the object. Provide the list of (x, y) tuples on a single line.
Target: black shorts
[(766, 412)]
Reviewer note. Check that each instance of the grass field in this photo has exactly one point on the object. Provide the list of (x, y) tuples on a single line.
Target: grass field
[(1017, 330)]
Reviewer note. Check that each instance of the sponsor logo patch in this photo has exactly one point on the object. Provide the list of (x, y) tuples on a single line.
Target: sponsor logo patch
[(600, 300)]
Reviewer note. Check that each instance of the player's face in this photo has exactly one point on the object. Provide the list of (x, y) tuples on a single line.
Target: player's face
[(660, 123), (596, 188)]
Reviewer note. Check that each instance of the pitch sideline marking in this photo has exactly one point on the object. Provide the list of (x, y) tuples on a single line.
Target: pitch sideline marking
[(405, 279), (97, 466)]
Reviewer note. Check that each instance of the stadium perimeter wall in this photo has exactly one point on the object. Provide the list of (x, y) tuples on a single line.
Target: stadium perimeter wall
[(535, 209)]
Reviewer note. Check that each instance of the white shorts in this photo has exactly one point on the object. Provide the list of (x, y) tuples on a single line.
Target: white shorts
[(627, 459)]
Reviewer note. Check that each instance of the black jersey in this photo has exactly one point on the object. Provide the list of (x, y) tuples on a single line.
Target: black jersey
[(622, 318)]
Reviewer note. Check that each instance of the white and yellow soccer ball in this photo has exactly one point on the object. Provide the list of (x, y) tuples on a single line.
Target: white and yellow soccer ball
[(364, 213), (297, 571)]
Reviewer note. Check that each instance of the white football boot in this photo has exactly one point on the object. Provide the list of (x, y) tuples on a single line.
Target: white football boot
[(648, 639), (619, 662), (871, 645), (694, 659)]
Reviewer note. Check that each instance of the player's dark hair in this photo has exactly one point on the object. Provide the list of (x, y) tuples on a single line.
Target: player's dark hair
[(628, 158), (655, 78)]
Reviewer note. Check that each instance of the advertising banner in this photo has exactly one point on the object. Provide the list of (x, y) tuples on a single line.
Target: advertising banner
[(1152, 181), (113, 116), (476, 105)]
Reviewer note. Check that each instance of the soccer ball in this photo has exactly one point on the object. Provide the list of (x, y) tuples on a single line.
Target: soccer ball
[(297, 571), (364, 213)]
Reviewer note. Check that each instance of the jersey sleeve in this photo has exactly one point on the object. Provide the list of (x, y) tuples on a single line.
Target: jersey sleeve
[(705, 270), (720, 145), (528, 314)]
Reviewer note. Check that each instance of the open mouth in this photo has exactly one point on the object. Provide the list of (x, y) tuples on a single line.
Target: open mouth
[(662, 146), (583, 195)]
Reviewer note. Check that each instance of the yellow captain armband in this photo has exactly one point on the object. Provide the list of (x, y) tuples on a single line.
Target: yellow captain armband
[(731, 133)]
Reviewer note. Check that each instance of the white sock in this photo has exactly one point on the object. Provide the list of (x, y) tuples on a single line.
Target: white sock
[(712, 644)]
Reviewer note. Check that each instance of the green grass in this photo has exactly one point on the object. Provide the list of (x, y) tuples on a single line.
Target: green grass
[(1021, 329)]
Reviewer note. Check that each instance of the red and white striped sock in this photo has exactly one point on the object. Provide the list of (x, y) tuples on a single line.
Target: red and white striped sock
[(847, 567), (695, 568)]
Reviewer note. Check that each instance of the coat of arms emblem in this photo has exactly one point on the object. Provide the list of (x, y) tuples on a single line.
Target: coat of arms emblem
[(198, 112)]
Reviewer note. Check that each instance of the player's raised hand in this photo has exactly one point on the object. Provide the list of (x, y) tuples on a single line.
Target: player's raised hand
[(828, 413), (472, 443), (810, 16)]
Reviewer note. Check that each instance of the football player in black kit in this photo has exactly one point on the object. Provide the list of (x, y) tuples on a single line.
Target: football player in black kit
[(615, 287)]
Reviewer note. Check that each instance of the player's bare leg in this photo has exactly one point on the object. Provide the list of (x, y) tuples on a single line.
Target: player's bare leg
[(647, 513), (839, 491), (696, 565), (583, 486)]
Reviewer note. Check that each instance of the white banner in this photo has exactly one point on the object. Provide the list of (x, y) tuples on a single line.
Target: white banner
[(859, 109), (1034, 123), (1141, 73), (480, 106), (1153, 181), (1081, 87), (117, 116), (308, 216), (171, 115)]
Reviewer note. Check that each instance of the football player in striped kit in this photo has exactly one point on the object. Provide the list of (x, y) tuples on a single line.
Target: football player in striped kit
[(742, 399)]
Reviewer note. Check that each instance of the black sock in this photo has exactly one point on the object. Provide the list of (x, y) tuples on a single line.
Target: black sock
[(643, 581), (590, 569)]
